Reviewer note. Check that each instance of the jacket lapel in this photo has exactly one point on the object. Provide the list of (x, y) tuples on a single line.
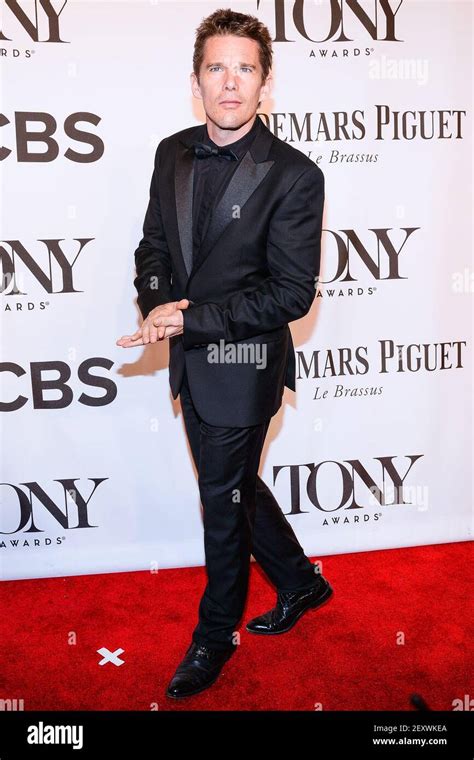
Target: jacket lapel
[(250, 172), (183, 188)]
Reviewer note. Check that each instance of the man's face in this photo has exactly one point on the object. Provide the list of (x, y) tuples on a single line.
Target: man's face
[(230, 83)]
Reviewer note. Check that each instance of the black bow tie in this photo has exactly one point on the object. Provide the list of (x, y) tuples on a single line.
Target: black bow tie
[(201, 150)]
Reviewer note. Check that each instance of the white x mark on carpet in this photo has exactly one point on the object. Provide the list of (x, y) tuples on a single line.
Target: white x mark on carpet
[(109, 656)]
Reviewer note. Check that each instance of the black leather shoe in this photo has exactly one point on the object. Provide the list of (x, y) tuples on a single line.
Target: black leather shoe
[(289, 608), (199, 669)]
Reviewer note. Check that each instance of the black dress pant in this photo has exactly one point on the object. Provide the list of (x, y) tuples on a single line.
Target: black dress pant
[(241, 517)]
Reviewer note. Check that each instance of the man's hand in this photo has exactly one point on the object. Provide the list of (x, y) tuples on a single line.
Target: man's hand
[(162, 322)]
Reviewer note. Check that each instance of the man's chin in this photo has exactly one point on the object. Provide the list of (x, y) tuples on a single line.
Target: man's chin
[(231, 121)]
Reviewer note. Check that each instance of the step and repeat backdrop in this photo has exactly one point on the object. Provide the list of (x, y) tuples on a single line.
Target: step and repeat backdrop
[(375, 449)]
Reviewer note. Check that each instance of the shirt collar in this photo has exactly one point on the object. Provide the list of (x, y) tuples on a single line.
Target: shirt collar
[(240, 146)]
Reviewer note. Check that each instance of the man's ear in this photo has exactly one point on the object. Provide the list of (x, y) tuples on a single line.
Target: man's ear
[(195, 89), (266, 88)]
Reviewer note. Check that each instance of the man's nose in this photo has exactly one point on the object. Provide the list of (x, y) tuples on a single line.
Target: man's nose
[(230, 81)]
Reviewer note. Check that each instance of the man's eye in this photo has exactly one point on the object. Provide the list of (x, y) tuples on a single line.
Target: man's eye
[(243, 68)]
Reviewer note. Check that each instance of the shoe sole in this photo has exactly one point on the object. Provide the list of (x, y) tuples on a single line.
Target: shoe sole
[(202, 688), (322, 600)]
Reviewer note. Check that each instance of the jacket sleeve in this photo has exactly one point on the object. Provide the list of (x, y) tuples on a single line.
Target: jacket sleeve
[(293, 259), (152, 257)]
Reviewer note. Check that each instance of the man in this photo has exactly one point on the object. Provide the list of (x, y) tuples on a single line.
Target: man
[(229, 255)]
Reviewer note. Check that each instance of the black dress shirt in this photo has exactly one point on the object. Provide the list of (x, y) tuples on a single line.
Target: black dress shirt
[(211, 177)]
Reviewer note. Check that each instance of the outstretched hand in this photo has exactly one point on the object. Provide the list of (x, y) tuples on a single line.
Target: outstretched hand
[(162, 322)]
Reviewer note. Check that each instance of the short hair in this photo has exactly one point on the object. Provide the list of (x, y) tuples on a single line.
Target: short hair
[(226, 21)]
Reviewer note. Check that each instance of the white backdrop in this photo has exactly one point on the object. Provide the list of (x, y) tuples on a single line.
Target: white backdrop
[(96, 471)]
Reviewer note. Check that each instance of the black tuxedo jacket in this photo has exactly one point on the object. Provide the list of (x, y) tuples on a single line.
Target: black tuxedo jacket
[(255, 272)]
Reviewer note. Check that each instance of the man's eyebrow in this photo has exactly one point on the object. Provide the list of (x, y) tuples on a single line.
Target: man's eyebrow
[(241, 63)]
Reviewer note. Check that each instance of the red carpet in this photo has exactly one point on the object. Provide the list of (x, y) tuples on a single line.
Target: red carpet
[(345, 656)]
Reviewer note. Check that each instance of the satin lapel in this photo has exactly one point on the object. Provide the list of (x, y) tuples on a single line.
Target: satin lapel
[(243, 183), (183, 188), (249, 174)]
